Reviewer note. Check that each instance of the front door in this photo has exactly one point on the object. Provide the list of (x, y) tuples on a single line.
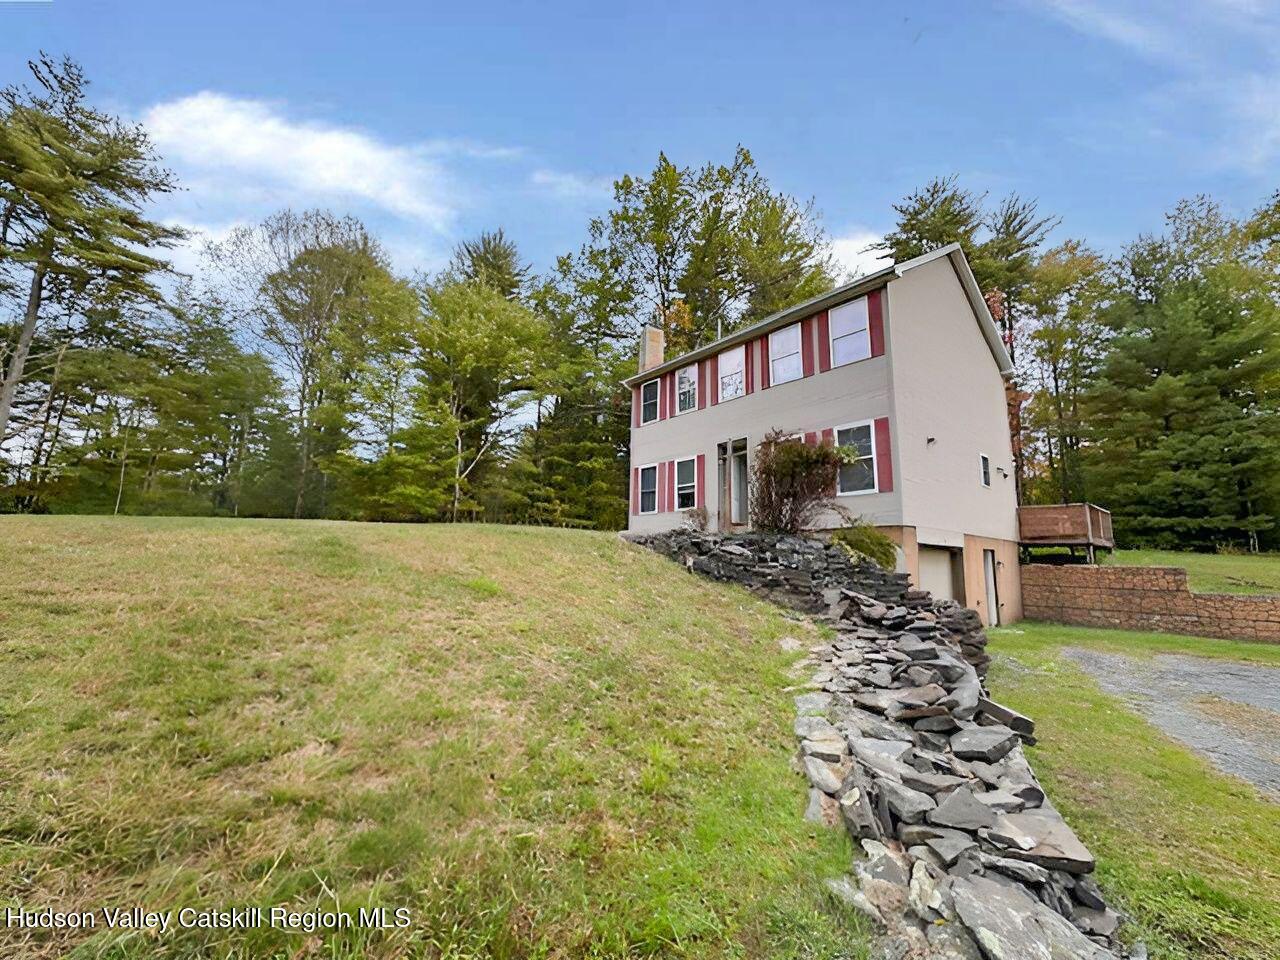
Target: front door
[(732, 478)]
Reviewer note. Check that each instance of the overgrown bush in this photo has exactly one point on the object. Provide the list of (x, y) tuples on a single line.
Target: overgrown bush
[(792, 482), (861, 539)]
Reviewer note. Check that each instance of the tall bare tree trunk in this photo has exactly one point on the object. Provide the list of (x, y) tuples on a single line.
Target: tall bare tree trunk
[(13, 376), (124, 459)]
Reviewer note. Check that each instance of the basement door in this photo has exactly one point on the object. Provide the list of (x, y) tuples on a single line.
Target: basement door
[(993, 595)]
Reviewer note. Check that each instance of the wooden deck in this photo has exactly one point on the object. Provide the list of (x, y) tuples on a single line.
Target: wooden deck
[(1065, 525)]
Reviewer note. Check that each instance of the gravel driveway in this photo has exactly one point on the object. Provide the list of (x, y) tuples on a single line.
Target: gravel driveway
[(1228, 711)]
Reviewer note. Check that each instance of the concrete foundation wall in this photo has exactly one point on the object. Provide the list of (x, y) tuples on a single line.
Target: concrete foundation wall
[(1144, 598)]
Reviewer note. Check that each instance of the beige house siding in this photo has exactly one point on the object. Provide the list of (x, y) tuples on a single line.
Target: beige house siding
[(849, 394), (946, 386)]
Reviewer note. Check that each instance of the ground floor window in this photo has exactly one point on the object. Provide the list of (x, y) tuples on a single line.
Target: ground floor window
[(686, 484), (858, 476), (649, 489)]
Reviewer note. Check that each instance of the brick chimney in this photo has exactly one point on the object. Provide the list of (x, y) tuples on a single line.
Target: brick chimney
[(653, 344)]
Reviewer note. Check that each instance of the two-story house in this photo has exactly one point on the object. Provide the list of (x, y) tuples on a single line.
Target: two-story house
[(906, 367)]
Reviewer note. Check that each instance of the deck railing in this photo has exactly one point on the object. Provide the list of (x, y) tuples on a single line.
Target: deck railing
[(1065, 525)]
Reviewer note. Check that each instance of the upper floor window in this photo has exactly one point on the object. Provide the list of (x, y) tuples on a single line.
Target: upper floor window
[(850, 338), (859, 475), (649, 489), (649, 402), (732, 373), (686, 484), (984, 467), (687, 389), (784, 355)]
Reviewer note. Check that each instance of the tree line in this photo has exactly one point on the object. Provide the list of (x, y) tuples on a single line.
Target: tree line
[(301, 376)]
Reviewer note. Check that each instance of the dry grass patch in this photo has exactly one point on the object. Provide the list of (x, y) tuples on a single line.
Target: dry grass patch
[(543, 743)]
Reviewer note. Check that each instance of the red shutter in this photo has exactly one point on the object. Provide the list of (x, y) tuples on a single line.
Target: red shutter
[(635, 406), (662, 400), (671, 390), (829, 436), (713, 374), (875, 322), (884, 456), (635, 491), (749, 364), (671, 485), (764, 362), (700, 498), (811, 438), (824, 342), (806, 346), (662, 487), (702, 384)]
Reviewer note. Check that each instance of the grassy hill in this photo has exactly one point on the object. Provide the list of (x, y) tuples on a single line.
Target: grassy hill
[(1212, 572), (540, 742)]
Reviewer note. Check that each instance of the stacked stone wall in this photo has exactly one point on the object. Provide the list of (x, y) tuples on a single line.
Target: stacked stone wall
[(1144, 598)]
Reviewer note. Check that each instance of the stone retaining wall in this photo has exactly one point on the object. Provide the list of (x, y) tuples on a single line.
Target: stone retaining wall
[(1144, 598)]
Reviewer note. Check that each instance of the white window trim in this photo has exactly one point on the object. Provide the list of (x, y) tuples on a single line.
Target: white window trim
[(798, 327), (694, 368), (720, 397), (657, 407), (657, 481), (984, 476), (875, 457), (675, 465), (831, 334)]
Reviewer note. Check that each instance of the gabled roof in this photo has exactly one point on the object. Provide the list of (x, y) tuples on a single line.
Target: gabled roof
[(850, 291)]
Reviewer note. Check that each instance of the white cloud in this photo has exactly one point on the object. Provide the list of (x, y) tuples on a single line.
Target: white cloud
[(1217, 89), (572, 185), (223, 142), (850, 251)]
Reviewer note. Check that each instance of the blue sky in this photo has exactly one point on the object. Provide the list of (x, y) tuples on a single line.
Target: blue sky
[(432, 121)]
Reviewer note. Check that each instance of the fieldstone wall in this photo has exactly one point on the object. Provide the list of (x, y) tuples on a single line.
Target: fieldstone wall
[(1144, 598), (966, 858), (814, 577)]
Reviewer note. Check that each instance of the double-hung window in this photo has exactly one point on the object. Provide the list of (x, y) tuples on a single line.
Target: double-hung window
[(686, 484), (984, 468), (649, 402), (649, 489), (687, 389), (733, 373), (859, 474), (784, 355), (850, 338)]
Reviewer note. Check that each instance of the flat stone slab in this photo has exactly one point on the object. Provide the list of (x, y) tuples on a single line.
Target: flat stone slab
[(813, 703), (1056, 845), (961, 810), (983, 743), (1009, 925)]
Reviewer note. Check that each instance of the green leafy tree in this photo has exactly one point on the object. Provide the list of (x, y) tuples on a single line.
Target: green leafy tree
[(1184, 416), (73, 184)]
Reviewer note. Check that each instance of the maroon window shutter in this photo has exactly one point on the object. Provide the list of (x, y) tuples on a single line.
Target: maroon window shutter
[(884, 456), (635, 406), (764, 362), (811, 438), (700, 498), (829, 437), (662, 487), (806, 346), (713, 367), (824, 342), (635, 491), (671, 485), (702, 384), (875, 322), (749, 365), (671, 392), (662, 399)]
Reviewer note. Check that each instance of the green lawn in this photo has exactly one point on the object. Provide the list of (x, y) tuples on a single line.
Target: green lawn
[(1211, 572), (1192, 854), (542, 743)]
